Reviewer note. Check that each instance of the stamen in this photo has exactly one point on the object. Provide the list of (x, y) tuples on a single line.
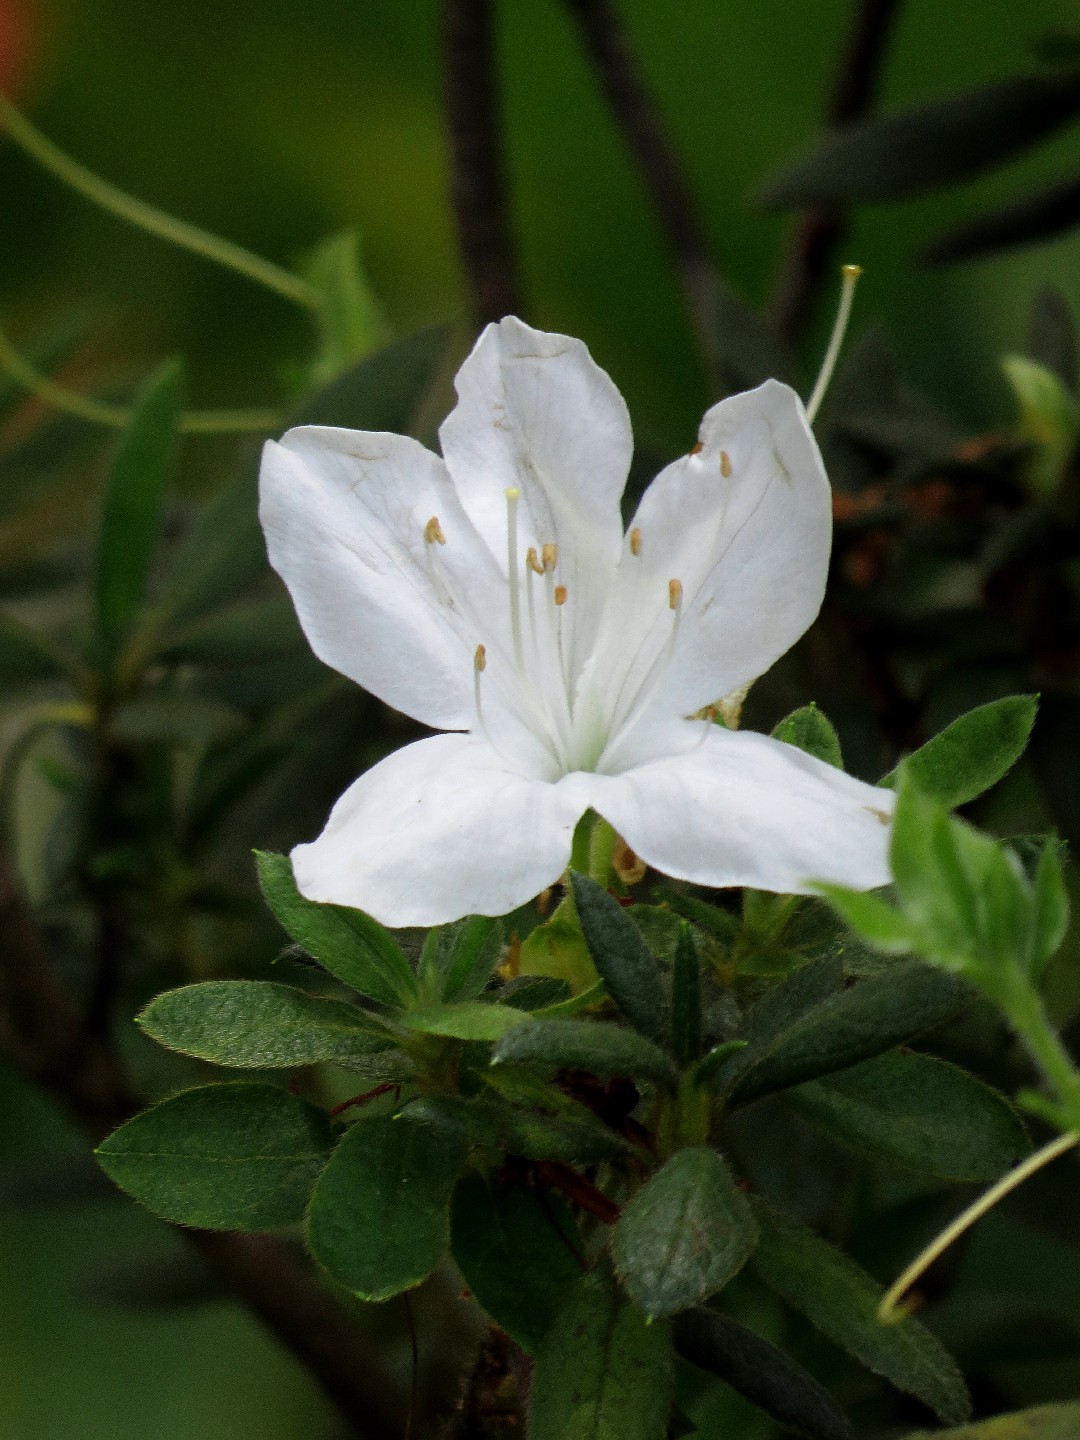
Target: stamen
[(512, 497), (635, 541), (480, 659), (674, 595), (549, 554), (697, 449), (433, 532), (850, 276), (560, 594), (532, 562), (725, 464), (479, 666)]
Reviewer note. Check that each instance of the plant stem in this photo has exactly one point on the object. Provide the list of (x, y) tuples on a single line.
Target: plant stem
[(147, 217)]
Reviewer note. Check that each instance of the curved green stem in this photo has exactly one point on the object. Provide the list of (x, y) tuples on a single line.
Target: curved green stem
[(148, 217), (115, 417)]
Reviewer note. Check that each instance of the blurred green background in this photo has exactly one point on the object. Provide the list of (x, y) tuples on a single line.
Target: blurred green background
[(275, 124)]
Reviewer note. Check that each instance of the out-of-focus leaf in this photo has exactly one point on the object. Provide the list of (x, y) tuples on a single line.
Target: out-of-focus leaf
[(1045, 1422), (346, 942), (380, 392), (152, 1283), (930, 145), (747, 349), (1051, 335), (684, 1235), (973, 753), (1049, 422), (602, 1372), (238, 635), (175, 720), (841, 1300), (808, 729), (27, 653), (630, 974), (131, 516), (1051, 910), (1039, 215), (766, 1376), (603, 1050), (378, 1219), (517, 1252), (258, 1024), (350, 323), (918, 1112), (225, 1157)]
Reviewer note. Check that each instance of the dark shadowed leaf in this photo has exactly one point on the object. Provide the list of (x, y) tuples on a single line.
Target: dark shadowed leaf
[(602, 1049), (1051, 335), (1045, 1422), (603, 1372), (841, 1300), (259, 1024), (224, 1157), (29, 654), (930, 145), (766, 1376), (631, 975), (1039, 215), (380, 392), (518, 1250), (378, 1218), (241, 634), (685, 1000), (684, 1235)]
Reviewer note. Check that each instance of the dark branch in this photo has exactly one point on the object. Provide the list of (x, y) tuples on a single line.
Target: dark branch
[(45, 1040), (811, 254), (478, 186), (633, 108)]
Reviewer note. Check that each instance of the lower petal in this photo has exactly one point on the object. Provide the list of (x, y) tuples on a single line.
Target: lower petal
[(441, 829), (726, 807)]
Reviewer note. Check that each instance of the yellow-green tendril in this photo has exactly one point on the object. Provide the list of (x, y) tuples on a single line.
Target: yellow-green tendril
[(890, 1310), (149, 218), (115, 417)]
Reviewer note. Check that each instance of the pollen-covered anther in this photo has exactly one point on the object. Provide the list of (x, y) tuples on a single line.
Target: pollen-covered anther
[(674, 594), (480, 659), (697, 449), (531, 561), (725, 464), (549, 556), (560, 594), (433, 532), (635, 541)]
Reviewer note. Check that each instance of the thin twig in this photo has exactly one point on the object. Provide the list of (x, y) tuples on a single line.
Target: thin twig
[(633, 108), (478, 184), (43, 1038), (811, 250)]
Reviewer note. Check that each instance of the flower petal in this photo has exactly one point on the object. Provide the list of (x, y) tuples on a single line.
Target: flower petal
[(344, 513), (728, 807), (438, 830), (536, 413), (744, 524)]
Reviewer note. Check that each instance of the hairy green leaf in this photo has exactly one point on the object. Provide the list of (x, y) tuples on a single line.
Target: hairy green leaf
[(470, 1020), (841, 1300), (973, 753), (223, 1157), (629, 972), (602, 1049), (471, 957), (684, 1235), (378, 1218), (809, 730), (259, 1024), (686, 1000)]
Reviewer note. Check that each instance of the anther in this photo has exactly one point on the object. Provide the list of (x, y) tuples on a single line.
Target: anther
[(433, 532), (560, 594), (725, 464), (635, 541), (532, 562), (512, 492), (480, 659), (697, 449), (674, 594), (549, 555)]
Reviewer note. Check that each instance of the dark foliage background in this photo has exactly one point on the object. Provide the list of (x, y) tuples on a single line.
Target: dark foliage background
[(956, 573)]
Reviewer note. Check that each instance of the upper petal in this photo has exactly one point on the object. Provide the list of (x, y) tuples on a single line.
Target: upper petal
[(536, 413), (344, 513), (438, 830), (726, 807), (744, 524)]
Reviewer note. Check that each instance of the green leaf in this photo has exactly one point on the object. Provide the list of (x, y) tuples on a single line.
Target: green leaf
[(1037, 214), (1050, 919), (971, 754), (465, 955), (541, 1124), (841, 1300), (471, 1020), (535, 993), (381, 392), (1049, 422), (518, 1253), (171, 719), (131, 517), (918, 1112), (684, 1235), (1051, 335), (929, 145), (767, 1377), (602, 1049), (791, 1042), (1045, 1422), (350, 322), (710, 1063), (260, 1024), (630, 973), (808, 729), (240, 634), (685, 1001), (872, 918), (378, 1218), (347, 943), (27, 653), (603, 1372), (224, 1157)]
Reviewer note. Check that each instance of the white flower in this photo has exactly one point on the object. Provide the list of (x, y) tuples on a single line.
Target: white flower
[(494, 593)]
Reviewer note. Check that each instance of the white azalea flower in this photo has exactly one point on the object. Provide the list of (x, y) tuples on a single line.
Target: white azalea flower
[(494, 593)]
